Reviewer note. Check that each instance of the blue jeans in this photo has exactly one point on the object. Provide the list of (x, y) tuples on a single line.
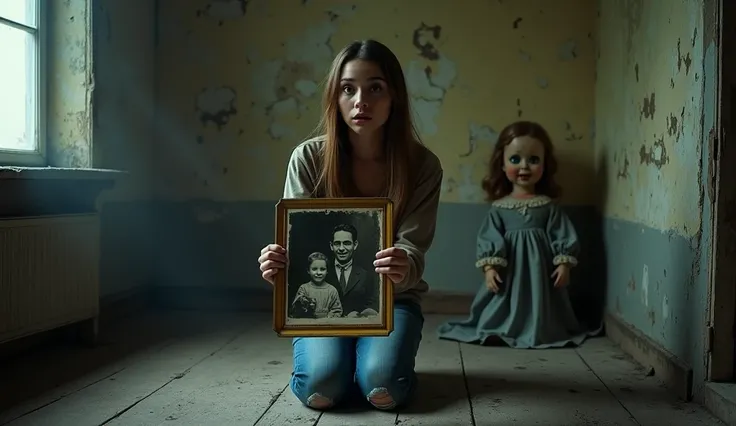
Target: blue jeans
[(327, 369)]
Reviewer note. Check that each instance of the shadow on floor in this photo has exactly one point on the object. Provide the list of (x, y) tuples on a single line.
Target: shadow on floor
[(437, 391), (59, 364)]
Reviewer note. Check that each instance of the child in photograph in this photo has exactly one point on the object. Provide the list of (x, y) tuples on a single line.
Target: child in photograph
[(317, 298)]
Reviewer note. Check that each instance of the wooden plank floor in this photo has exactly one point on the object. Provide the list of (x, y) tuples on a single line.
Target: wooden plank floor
[(198, 368)]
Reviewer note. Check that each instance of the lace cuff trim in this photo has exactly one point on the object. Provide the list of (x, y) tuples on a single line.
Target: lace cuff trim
[(563, 258), (491, 261)]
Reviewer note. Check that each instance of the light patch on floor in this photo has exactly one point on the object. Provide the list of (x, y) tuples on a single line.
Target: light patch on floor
[(198, 368)]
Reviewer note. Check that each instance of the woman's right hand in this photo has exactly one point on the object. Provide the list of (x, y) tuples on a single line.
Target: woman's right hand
[(272, 258)]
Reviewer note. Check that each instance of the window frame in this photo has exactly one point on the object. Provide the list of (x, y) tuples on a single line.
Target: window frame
[(37, 157)]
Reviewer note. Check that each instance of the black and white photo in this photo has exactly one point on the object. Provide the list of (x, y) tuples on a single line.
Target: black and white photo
[(330, 281)]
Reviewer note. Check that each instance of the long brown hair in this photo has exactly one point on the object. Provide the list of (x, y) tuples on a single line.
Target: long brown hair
[(400, 135), (496, 185)]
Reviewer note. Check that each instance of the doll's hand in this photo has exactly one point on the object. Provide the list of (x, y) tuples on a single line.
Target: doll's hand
[(493, 280), (392, 262), (561, 275)]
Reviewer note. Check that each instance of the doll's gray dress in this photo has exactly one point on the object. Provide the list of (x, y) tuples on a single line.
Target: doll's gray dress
[(525, 240)]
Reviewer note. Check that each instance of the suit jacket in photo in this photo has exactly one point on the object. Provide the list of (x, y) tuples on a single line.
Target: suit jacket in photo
[(361, 291)]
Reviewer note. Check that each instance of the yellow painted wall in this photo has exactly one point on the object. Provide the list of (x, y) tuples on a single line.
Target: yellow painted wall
[(238, 85), (649, 104)]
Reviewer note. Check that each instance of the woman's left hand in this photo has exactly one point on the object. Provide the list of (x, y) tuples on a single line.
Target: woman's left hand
[(392, 262)]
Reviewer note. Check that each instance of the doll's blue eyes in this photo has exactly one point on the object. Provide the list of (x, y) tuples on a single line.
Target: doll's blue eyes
[(515, 159)]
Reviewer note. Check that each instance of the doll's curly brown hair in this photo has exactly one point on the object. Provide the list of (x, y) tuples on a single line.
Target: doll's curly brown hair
[(497, 186)]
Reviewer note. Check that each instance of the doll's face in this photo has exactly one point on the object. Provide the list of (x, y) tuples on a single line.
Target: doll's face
[(523, 161)]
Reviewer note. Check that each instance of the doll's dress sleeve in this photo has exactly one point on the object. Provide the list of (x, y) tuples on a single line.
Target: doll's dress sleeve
[(491, 245), (562, 236)]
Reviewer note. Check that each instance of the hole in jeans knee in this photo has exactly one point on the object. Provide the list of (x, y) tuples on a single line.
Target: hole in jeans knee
[(319, 402), (381, 399)]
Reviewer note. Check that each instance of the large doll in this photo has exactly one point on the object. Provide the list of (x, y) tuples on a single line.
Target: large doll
[(526, 247)]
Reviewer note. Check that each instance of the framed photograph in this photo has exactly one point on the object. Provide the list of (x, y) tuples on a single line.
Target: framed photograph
[(330, 287)]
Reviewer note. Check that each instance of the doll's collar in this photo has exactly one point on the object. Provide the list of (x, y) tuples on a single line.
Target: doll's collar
[(509, 202)]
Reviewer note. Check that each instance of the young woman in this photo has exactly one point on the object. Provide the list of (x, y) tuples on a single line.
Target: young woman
[(368, 148)]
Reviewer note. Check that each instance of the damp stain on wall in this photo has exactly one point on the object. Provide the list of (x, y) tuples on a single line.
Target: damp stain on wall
[(648, 107), (479, 134), (216, 106), (429, 77), (654, 155), (223, 10)]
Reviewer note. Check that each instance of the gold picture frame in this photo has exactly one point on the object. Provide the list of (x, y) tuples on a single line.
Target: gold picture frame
[(319, 234)]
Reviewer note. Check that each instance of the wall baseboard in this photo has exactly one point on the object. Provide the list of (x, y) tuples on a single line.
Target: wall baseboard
[(444, 303), (125, 303), (213, 298), (676, 374)]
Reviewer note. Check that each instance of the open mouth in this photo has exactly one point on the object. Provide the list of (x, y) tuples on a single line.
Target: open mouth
[(361, 117)]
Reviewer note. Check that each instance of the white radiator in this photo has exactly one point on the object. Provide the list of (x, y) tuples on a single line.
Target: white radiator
[(48, 273)]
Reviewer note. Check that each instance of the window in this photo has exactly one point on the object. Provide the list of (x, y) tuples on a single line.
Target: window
[(22, 83)]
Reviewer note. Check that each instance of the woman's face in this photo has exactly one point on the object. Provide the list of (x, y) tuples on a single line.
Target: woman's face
[(365, 102)]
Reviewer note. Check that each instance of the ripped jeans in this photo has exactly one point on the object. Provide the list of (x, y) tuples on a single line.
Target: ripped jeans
[(327, 369)]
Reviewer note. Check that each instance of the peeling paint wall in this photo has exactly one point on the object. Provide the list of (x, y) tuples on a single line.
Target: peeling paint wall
[(649, 104), (655, 97), (239, 84), (70, 84)]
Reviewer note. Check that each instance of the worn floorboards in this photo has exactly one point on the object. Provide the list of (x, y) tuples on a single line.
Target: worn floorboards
[(204, 368)]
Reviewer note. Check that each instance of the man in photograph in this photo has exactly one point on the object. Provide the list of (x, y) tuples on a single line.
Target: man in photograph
[(357, 287)]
